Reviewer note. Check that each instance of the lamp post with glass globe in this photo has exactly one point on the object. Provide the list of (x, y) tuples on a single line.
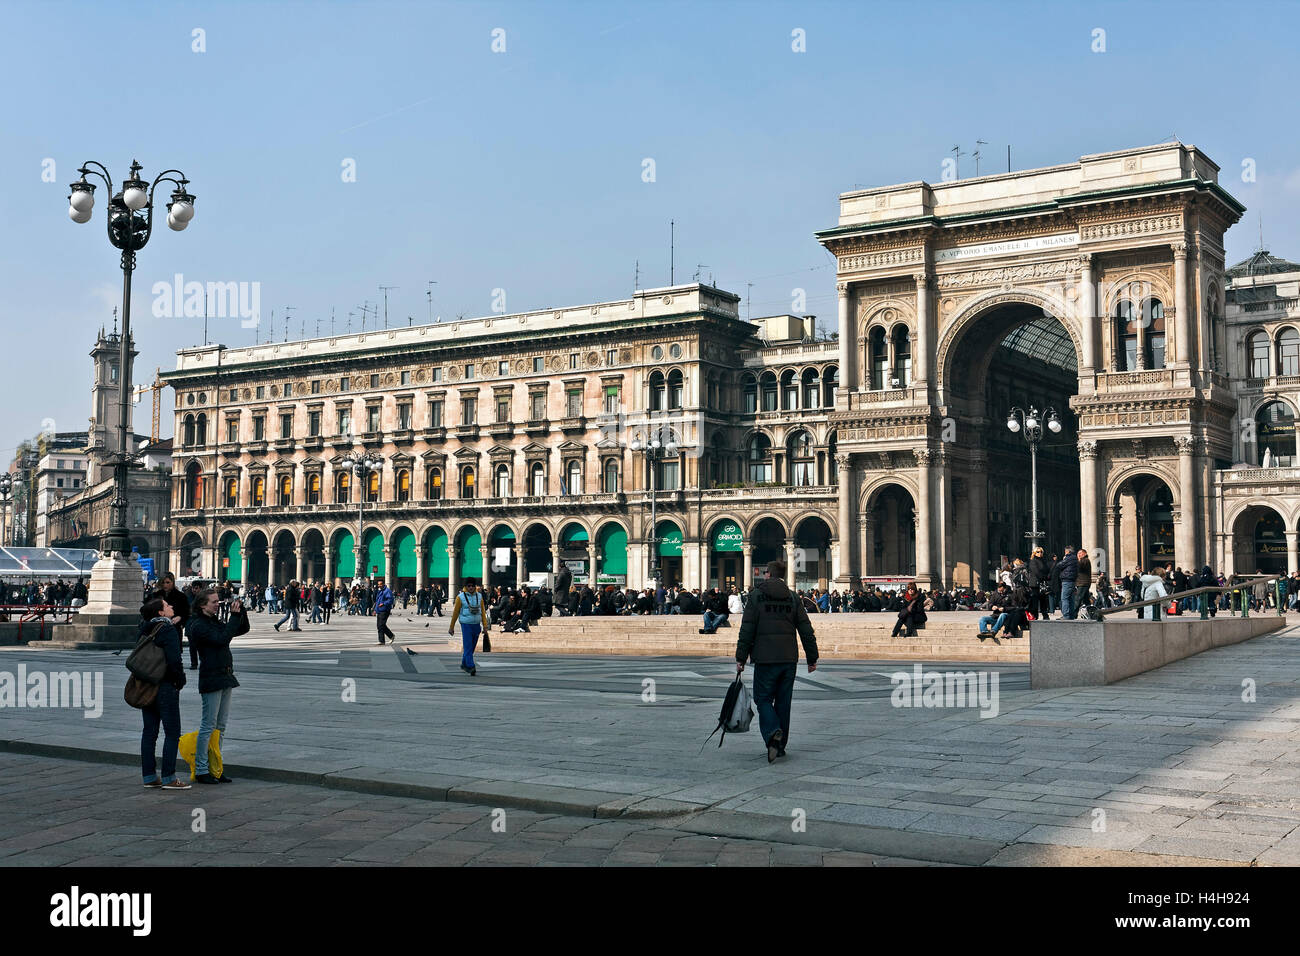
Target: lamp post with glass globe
[(362, 465), (654, 450), (130, 224), (1031, 424)]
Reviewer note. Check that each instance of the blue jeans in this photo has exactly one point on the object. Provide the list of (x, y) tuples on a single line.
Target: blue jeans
[(1068, 608), (216, 708), (469, 640), (712, 621), (165, 712), (287, 615), (773, 690), (998, 619)]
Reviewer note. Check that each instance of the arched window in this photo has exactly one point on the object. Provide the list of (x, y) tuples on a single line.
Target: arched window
[(830, 385), (789, 391), (611, 476), (803, 460), (189, 431), (878, 358), (286, 491), (502, 481), (467, 481), (433, 491), (676, 389), (1126, 336), (768, 386), (231, 496), (373, 483), (1257, 350), (902, 374), (313, 490), (201, 430), (760, 458), (537, 479), (658, 398), (259, 492), (811, 389), (342, 488), (1275, 434), (750, 386), (1288, 352), (574, 477), (403, 485), (1153, 317), (194, 482)]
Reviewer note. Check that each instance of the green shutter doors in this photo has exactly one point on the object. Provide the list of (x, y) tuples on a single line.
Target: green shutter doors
[(670, 540), (404, 542), (435, 545), (611, 550), (727, 536), (471, 558), (574, 537), (374, 554), (235, 570), (345, 558)]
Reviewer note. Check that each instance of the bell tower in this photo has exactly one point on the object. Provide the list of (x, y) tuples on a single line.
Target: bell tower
[(105, 410)]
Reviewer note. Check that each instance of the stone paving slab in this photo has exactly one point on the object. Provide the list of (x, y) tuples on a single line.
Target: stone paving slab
[(578, 734)]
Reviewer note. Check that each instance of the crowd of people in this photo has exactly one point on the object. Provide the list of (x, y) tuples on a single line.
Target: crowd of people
[(58, 593)]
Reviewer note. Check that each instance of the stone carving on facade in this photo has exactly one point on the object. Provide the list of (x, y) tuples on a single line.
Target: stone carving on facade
[(1013, 274), (1185, 444), (1131, 227), (923, 457), (877, 260), (1087, 450)]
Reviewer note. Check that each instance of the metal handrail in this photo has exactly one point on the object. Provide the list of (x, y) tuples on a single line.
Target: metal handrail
[(1195, 592)]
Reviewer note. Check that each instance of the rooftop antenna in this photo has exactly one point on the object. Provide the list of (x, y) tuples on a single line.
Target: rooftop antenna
[(318, 326), (957, 155), (384, 289), (287, 317), (636, 276), (749, 287), (270, 335), (672, 251), (699, 267), (1008, 157), (349, 322), (978, 144), (431, 283), (114, 321), (331, 320), (205, 318)]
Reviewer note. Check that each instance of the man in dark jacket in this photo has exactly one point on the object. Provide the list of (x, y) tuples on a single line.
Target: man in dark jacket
[(216, 672), (384, 602), (563, 580), (767, 630), (180, 604), (1067, 569)]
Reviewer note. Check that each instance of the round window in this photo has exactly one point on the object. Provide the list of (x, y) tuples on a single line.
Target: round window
[(657, 353), (675, 351)]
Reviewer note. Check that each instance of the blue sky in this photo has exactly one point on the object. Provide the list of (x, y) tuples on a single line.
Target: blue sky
[(522, 170)]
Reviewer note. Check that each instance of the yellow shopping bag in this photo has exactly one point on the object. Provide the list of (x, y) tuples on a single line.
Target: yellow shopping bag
[(189, 744)]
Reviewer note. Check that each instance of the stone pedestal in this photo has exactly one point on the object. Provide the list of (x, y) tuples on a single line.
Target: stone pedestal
[(111, 615)]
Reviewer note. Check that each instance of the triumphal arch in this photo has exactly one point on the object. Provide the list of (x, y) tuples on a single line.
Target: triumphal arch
[(1093, 289)]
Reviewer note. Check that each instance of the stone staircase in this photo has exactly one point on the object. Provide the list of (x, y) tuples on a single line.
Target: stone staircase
[(947, 636)]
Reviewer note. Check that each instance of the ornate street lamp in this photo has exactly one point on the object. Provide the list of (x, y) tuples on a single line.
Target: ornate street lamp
[(130, 224), (1031, 423), (654, 450), (362, 465)]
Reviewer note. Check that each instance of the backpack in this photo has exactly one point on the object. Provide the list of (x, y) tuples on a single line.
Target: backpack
[(736, 714)]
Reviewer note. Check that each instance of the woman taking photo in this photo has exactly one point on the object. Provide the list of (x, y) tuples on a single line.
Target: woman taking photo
[(156, 617), (216, 672)]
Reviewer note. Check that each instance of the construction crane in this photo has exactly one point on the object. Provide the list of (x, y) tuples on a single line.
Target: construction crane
[(157, 387)]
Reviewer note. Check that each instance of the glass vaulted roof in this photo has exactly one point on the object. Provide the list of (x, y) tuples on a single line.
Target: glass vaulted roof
[(1044, 339)]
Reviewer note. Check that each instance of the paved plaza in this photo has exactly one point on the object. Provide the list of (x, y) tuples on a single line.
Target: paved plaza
[(391, 756)]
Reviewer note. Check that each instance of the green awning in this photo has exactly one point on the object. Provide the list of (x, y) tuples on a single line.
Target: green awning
[(345, 559), (574, 534), (374, 555), (670, 541), (404, 542), (471, 558), (234, 571), (436, 551), (727, 536), (611, 552)]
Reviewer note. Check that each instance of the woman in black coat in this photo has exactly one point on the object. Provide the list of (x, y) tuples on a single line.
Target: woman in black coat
[(912, 614), (156, 618), (216, 672)]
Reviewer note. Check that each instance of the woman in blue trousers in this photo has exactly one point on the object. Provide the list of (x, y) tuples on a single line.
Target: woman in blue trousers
[(468, 612)]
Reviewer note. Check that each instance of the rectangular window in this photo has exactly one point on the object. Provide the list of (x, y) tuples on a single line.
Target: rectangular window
[(59, 482), (1259, 357), (374, 381), (288, 389), (232, 430), (76, 482), (467, 408), (573, 360), (611, 357), (668, 476), (234, 395), (574, 409), (503, 410), (403, 416), (538, 364), (469, 372), (611, 400), (406, 378), (345, 383), (503, 368), (435, 413), (345, 421), (259, 428), (537, 406), (313, 424), (437, 375), (315, 386), (286, 425), (260, 392), (1289, 353), (372, 418)]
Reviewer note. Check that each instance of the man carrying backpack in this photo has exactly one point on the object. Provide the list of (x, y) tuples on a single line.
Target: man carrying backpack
[(767, 635)]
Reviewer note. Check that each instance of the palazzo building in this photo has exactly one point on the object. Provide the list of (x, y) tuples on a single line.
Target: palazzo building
[(1096, 289)]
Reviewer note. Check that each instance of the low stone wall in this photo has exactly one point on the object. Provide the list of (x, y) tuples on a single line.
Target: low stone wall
[(1093, 653)]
